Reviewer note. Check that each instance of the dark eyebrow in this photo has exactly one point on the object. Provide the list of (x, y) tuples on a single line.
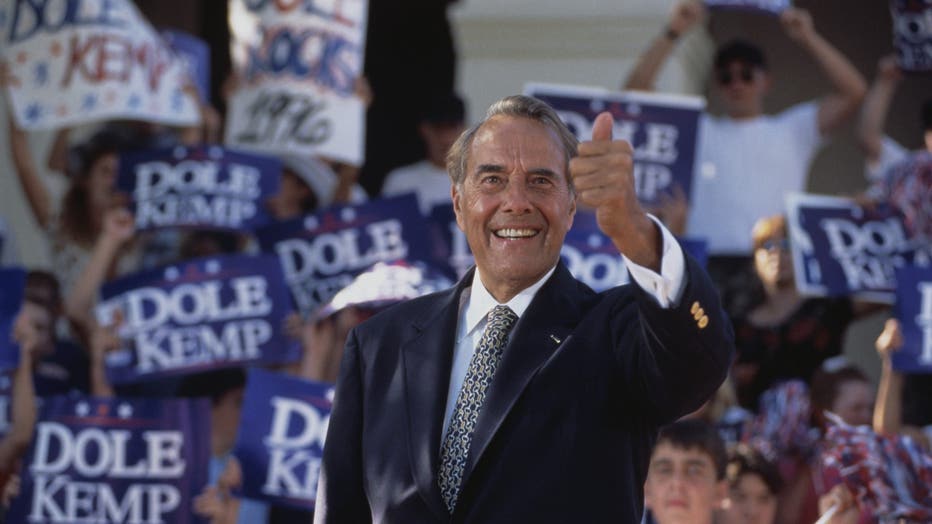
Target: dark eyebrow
[(489, 168), (543, 171)]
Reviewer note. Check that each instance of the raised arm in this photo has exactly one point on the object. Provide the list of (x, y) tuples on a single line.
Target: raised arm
[(683, 17), (23, 412), (118, 230), (37, 194), (888, 407), (849, 87), (875, 108)]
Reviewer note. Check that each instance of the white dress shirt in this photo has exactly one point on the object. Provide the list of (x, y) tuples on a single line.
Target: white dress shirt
[(476, 302)]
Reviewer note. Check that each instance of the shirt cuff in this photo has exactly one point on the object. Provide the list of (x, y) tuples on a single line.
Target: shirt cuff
[(667, 287)]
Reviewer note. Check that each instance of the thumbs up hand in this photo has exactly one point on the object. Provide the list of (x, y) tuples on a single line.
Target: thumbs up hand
[(603, 175)]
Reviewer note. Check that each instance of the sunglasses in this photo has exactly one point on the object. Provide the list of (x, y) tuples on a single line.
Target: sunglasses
[(745, 74), (773, 244)]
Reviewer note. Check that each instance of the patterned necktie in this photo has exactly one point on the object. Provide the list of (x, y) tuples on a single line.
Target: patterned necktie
[(482, 366)]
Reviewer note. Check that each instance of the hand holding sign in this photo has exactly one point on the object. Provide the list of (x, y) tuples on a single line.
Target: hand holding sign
[(685, 15), (603, 174), (798, 24)]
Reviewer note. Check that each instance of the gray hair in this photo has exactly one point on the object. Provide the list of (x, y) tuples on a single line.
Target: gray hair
[(516, 106)]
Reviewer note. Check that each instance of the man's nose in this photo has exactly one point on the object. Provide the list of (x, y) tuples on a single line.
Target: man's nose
[(516, 197)]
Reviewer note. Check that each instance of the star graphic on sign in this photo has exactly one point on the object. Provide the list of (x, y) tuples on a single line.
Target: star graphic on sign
[(172, 274), (133, 101), (594, 241), (311, 223), (62, 110), (110, 96), (22, 57), (124, 411), (55, 48), (82, 409), (41, 73), (177, 102), (348, 215), (33, 112), (89, 101), (212, 267)]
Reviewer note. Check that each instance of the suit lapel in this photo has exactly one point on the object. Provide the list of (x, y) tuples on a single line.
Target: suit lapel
[(427, 359), (549, 319)]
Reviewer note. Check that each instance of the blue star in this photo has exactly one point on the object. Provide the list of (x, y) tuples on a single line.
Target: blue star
[(89, 101), (177, 100), (33, 112), (134, 101), (42, 73)]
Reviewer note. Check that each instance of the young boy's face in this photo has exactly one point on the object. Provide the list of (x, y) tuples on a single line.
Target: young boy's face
[(681, 486)]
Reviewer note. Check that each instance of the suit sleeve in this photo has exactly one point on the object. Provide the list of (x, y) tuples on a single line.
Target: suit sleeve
[(674, 358), (340, 494)]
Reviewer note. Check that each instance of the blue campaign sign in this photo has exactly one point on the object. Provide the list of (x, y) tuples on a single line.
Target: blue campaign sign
[(323, 252), (12, 285), (842, 249), (195, 54), (591, 256), (448, 242), (774, 7), (115, 461), (662, 128), (203, 314), (204, 187), (280, 444), (914, 311), (912, 34)]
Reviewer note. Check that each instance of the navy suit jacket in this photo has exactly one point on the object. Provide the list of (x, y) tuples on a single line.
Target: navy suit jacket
[(568, 423)]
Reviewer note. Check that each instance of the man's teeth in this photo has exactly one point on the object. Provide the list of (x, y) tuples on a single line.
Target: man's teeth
[(515, 233)]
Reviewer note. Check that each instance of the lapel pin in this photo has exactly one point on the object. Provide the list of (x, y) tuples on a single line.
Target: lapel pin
[(555, 339)]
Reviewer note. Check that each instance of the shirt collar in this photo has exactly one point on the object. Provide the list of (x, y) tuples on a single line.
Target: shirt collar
[(481, 301)]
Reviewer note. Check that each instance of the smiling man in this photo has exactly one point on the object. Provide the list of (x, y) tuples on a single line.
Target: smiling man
[(521, 395)]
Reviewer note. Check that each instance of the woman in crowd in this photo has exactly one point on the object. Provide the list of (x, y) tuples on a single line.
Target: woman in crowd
[(753, 484), (786, 335)]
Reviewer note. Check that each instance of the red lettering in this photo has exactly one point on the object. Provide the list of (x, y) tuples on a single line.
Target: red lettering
[(100, 58), (76, 59)]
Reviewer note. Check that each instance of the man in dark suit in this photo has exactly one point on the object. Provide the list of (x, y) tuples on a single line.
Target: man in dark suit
[(521, 395)]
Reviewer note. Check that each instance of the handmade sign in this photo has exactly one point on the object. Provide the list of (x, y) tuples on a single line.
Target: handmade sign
[(774, 7), (297, 64), (194, 53), (79, 61)]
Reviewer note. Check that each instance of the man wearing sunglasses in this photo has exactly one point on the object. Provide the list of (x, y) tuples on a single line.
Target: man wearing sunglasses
[(749, 160)]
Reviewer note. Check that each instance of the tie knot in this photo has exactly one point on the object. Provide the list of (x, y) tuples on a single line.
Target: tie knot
[(502, 317)]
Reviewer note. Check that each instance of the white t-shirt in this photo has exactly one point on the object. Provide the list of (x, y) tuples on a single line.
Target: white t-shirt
[(745, 169), (430, 183), (891, 153)]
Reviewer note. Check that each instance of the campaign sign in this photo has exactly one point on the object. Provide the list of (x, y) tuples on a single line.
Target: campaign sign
[(195, 54), (12, 285), (591, 256), (298, 63), (662, 128), (199, 315), (907, 185), (280, 444), (322, 253), (448, 242), (841, 249), (78, 61), (203, 187), (914, 311), (912, 33), (765, 6), (115, 461)]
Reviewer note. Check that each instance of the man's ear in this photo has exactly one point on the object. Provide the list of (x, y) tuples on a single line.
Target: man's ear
[(456, 197)]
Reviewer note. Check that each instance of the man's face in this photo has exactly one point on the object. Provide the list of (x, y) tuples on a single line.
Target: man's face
[(44, 323), (750, 502), (742, 87), (854, 402), (681, 486), (514, 204)]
